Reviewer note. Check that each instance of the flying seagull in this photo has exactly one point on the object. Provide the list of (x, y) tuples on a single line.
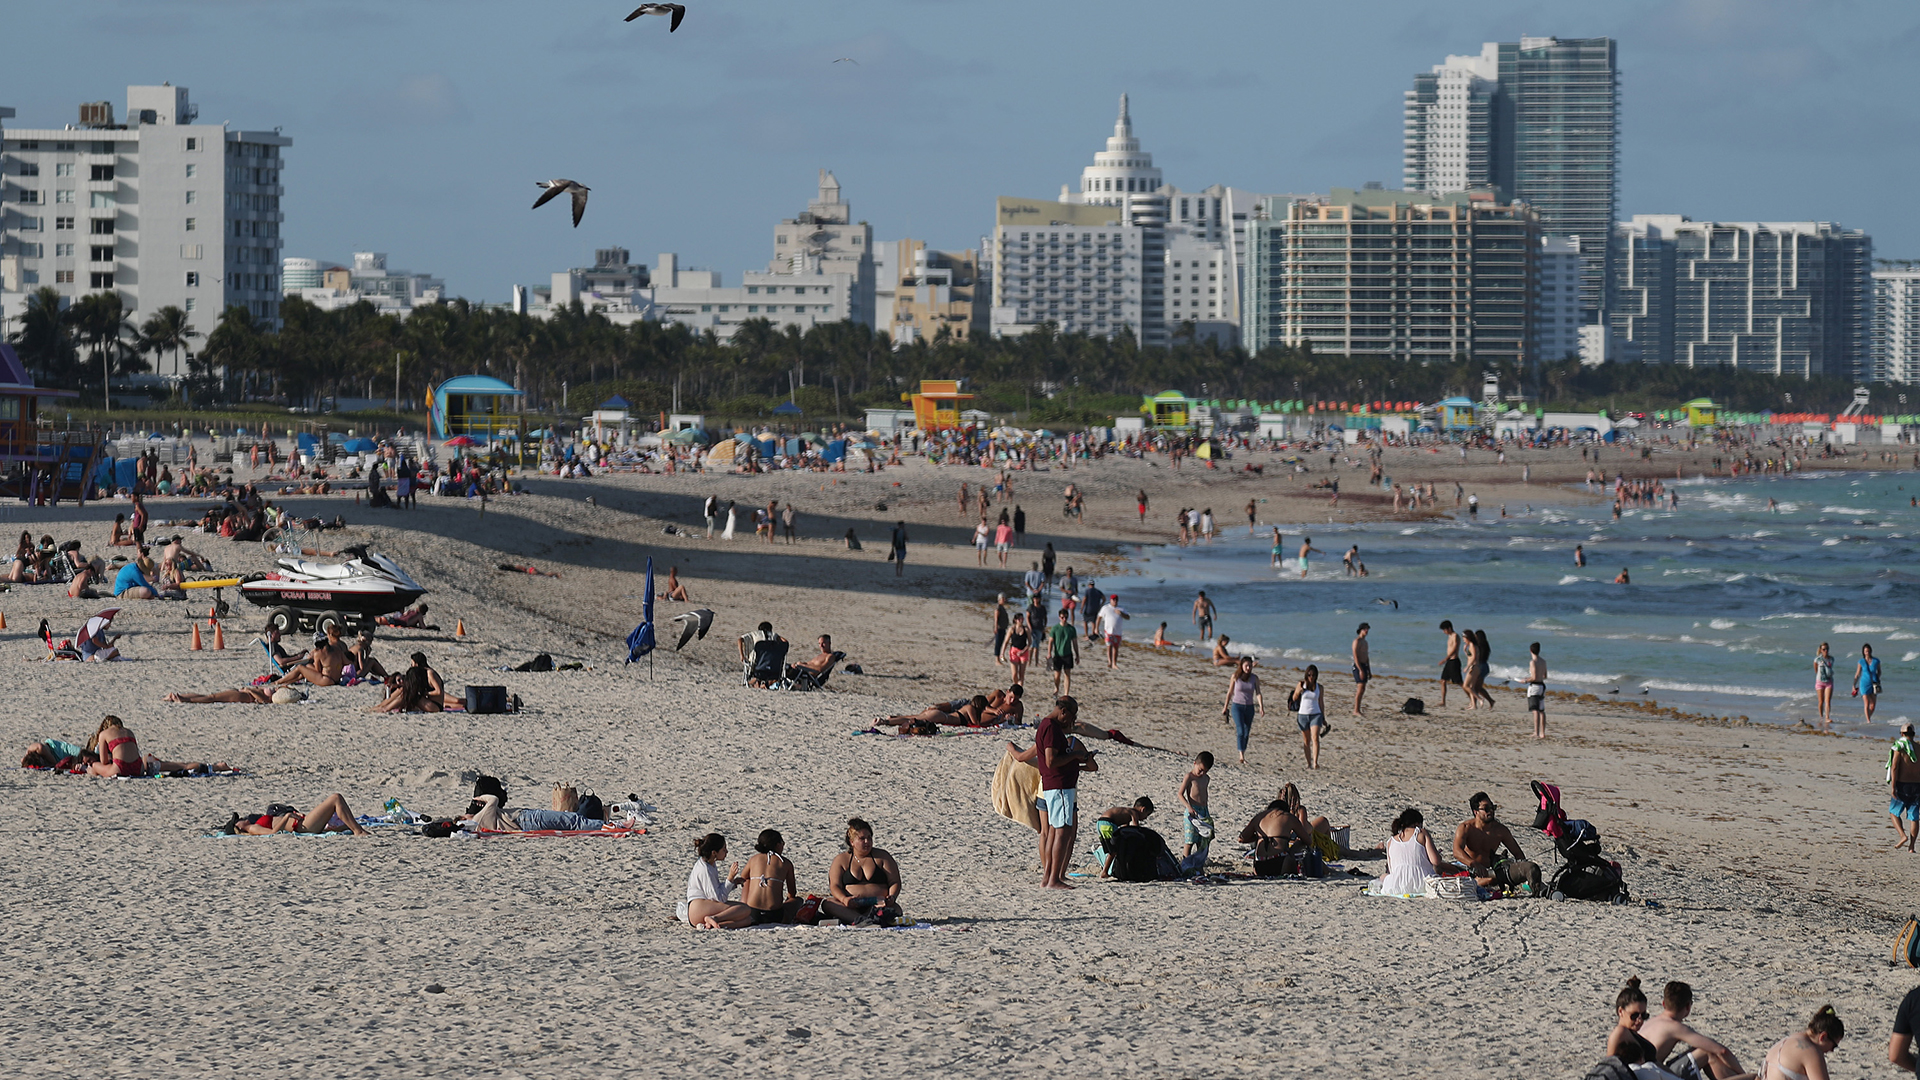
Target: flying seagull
[(848, 60), (691, 622), (555, 187), (1383, 603), (678, 11)]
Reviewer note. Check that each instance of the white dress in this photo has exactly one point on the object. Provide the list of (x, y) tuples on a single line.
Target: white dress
[(1409, 868), (728, 535)]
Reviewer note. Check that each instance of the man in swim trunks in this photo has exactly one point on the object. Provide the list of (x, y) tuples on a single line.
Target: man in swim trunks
[(1203, 612), (1306, 548), (1060, 761), (1668, 1028), (1477, 844), (1362, 669), (1537, 691), (1903, 789), (1110, 618), (1450, 663)]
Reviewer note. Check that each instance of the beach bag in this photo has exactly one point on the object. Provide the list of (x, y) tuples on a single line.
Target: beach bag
[(543, 662), (592, 808), (1610, 1068), (1906, 947), (1600, 882), (1414, 707), (1293, 700), (439, 829), (1133, 854), (566, 798), (486, 699), (1460, 887)]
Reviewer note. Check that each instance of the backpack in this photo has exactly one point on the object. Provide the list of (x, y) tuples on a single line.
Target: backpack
[(542, 662), (1133, 855), (592, 808), (1414, 707), (1610, 1068), (1906, 947)]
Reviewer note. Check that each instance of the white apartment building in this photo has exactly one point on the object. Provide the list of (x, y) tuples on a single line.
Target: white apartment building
[(824, 241), (160, 209), (1556, 300), (1446, 129), (1075, 266), (331, 288), (1896, 325)]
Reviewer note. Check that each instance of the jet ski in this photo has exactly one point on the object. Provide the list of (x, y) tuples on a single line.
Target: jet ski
[(303, 592)]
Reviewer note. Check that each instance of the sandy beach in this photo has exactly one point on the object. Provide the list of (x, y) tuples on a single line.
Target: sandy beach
[(143, 947)]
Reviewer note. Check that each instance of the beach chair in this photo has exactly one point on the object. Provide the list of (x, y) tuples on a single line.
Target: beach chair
[(767, 665), (805, 678), (274, 667)]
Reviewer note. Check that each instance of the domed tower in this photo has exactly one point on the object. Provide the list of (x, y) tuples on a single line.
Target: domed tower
[(1119, 170)]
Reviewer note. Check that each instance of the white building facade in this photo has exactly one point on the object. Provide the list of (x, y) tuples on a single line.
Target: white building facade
[(1446, 126), (825, 241), (161, 210), (391, 292), (1896, 325), (1078, 267)]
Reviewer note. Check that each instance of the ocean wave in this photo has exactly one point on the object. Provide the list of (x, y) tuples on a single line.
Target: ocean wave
[(1829, 543), (1723, 624), (1860, 628), (1910, 657), (1547, 624), (1900, 635), (1519, 674), (1839, 510), (1795, 615), (1571, 578), (1721, 688)]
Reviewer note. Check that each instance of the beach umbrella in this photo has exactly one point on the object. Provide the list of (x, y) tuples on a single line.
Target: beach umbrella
[(640, 642), (787, 408), (460, 440)]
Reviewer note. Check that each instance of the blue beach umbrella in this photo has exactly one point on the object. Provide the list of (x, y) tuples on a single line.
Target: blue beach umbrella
[(640, 642)]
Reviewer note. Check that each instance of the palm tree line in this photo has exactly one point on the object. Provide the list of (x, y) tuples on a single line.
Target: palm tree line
[(835, 369)]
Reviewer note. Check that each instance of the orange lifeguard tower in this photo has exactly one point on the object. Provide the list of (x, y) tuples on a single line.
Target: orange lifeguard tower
[(937, 406)]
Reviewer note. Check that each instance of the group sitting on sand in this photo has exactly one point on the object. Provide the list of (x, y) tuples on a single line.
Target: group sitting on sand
[(863, 885)]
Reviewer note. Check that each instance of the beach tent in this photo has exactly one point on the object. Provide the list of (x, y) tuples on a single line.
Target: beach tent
[(721, 457), (835, 452), (358, 446), (787, 408)]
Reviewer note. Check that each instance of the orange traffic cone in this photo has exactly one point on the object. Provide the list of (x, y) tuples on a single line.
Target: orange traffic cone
[(195, 647), (219, 636), (459, 628), (3, 620)]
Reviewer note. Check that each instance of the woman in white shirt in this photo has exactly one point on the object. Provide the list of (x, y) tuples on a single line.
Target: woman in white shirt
[(1412, 859), (1312, 717), (706, 906)]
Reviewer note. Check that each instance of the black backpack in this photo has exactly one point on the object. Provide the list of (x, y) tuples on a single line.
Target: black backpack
[(1134, 854), (1414, 707), (592, 808), (1599, 882), (543, 662)]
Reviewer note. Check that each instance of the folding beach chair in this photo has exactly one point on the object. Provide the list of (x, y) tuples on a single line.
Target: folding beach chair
[(768, 665)]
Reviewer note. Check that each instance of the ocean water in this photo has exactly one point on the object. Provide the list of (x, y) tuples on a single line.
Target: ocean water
[(1728, 603)]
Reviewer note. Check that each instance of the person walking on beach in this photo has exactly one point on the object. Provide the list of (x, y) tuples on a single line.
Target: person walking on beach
[(1310, 714), (1003, 539), (1866, 680), (1307, 548), (1823, 683), (1450, 663), (898, 551), (1110, 618), (728, 534), (1203, 613), (963, 500), (1090, 605), (981, 533), (1537, 691), (1060, 765), (1141, 500), (1199, 820), (1002, 619), (1063, 651), (1903, 789), (711, 511), (1362, 669), (1243, 702), (1019, 526), (1048, 560), (1036, 585)]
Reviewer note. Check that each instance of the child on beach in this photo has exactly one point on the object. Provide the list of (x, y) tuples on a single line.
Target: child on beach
[(1193, 796), (1160, 638)]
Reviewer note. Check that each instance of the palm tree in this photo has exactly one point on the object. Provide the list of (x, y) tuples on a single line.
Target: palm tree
[(166, 330), (101, 320), (42, 338)]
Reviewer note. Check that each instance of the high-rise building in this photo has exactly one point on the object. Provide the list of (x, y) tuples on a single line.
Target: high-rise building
[(921, 291), (1782, 297), (1556, 303), (825, 240), (1536, 118), (161, 210), (1075, 266), (1402, 274), (1896, 325)]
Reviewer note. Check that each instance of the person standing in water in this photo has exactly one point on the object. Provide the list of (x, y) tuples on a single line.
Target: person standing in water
[(1866, 680), (1579, 555), (1252, 513), (1306, 548), (1823, 683), (1362, 667), (1278, 554)]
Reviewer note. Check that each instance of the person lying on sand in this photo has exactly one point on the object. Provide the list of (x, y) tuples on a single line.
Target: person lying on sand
[(864, 880), (491, 817), (1089, 731), (324, 665), (511, 568), (960, 712), (47, 753), (332, 815), (239, 695), (413, 618), (118, 754)]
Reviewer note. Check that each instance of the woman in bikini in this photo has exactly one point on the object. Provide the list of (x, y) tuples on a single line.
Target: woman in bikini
[(239, 695), (412, 693), (119, 755), (332, 815), (1630, 1011), (864, 880), (1804, 1056), (769, 889), (675, 590)]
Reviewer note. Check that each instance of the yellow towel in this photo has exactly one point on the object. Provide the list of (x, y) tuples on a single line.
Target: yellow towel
[(1015, 787)]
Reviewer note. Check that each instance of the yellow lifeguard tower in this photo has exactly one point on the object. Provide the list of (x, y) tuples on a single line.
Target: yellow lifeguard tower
[(1702, 412), (1167, 409), (937, 406)]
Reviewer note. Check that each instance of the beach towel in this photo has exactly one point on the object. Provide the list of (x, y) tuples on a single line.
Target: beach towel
[(1015, 787)]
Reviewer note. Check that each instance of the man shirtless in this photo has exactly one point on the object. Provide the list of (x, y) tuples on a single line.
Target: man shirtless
[(1668, 1028), (323, 665), (1362, 667), (1306, 549), (819, 664), (1477, 844), (1450, 663)]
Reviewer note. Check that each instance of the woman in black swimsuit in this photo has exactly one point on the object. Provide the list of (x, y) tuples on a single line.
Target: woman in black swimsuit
[(770, 887), (864, 880)]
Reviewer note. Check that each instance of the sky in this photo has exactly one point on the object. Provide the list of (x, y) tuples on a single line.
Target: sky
[(420, 126)]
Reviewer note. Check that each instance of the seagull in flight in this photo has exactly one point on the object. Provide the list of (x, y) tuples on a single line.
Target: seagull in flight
[(1383, 603), (555, 187), (678, 11), (848, 60), (692, 622)]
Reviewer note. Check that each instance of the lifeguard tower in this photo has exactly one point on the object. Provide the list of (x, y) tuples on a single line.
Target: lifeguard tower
[(937, 406), (1701, 412), (1457, 414), (39, 465), (1167, 410)]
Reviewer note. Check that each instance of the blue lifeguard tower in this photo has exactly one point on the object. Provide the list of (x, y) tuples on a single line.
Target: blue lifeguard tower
[(478, 406)]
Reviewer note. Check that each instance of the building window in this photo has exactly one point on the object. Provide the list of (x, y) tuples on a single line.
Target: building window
[(100, 253), (63, 223), (62, 250), (190, 224), (103, 172), (193, 144), (30, 224), (31, 251), (192, 197), (28, 168), (63, 196), (101, 226), (29, 277), (29, 196), (753, 309), (193, 279), (753, 290), (192, 169), (63, 169), (63, 277), (101, 281), (189, 304), (101, 200), (191, 251)]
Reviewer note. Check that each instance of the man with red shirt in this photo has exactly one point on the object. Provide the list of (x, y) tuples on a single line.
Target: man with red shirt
[(1060, 760)]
